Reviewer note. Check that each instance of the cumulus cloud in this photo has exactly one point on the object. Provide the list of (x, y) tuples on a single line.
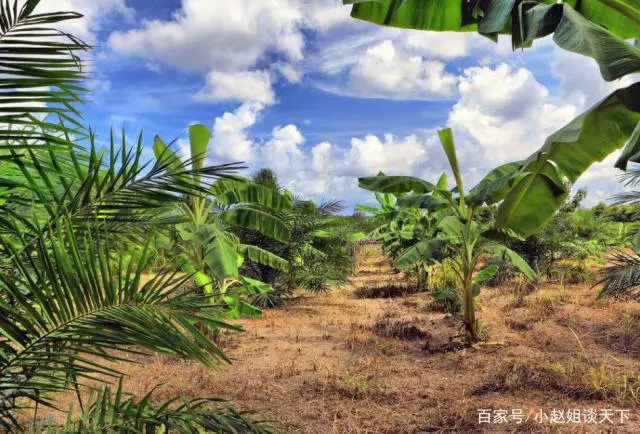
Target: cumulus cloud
[(401, 64), (580, 80), (321, 169), (504, 114), (224, 42), (291, 73), (321, 157), (243, 86), (282, 152), (331, 170), (324, 15), (202, 35), (370, 155), (230, 139), (384, 71)]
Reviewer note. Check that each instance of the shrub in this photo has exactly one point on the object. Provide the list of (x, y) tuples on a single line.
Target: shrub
[(506, 272), (572, 274)]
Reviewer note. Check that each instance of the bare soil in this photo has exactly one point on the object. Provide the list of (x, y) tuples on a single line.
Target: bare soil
[(337, 363)]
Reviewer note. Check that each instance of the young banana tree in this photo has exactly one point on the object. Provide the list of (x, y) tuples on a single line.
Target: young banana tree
[(457, 235), (402, 227), (211, 252)]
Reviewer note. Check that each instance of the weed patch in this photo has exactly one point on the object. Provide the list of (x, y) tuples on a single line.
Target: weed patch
[(398, 329), (385, 291)]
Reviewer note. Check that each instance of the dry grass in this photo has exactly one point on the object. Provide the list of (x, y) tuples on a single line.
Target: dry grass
[(341, 364)]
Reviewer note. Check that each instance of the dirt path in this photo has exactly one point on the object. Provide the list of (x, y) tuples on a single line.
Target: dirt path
[(329, 363)]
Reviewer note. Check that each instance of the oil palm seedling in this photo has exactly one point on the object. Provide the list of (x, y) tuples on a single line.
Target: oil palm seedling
[(110, 408), (316, 252), (622, 276), (457, 234)]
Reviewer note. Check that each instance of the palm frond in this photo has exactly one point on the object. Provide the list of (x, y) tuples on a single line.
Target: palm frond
[(330, 207), (622, 277), (72, 306), (40, 75), (115, 188), (112, 411)]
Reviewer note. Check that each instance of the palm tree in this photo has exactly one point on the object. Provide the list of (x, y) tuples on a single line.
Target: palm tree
[(622, 277), (74, 294)]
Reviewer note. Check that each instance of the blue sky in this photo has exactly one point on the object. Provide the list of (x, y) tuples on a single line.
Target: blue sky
[(298, 86)]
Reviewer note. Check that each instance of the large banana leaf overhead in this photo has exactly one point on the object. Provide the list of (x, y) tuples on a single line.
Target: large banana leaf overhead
[(621, 17), (594, 28)]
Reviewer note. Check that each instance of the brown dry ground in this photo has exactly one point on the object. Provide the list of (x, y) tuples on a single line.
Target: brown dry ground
[(319, 365)]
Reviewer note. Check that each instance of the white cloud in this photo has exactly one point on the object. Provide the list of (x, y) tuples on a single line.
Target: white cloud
[(95, 12), (604, 170), (444, 45), (324, 15), (580, 80), (282, 152), (370, 155), (330, 170), (243, 86), (291, 73), (323, 169), (230, 141), (203, 35), (321, 155), (504, 114), (387, 72), (220, 40)]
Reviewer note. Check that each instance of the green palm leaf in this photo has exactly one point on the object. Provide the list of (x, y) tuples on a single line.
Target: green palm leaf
[(264, 257), (621, 17), (622, 276), (113, 411), (494, 186), (41, 73), (255, 194), (423, 251), (71, 300), (116, 188)]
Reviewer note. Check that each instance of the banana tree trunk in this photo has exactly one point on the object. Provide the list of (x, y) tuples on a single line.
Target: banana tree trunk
[(470, 322)]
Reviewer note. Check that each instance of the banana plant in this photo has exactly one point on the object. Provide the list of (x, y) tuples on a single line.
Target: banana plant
[(599, 29), (402, 227), (457, 234), (210, 250)]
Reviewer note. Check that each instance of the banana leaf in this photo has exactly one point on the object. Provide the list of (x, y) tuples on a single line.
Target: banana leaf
[(568, 153), (396, 184)]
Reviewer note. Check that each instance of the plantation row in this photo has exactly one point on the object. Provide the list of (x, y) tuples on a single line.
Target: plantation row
[(106, 256)]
